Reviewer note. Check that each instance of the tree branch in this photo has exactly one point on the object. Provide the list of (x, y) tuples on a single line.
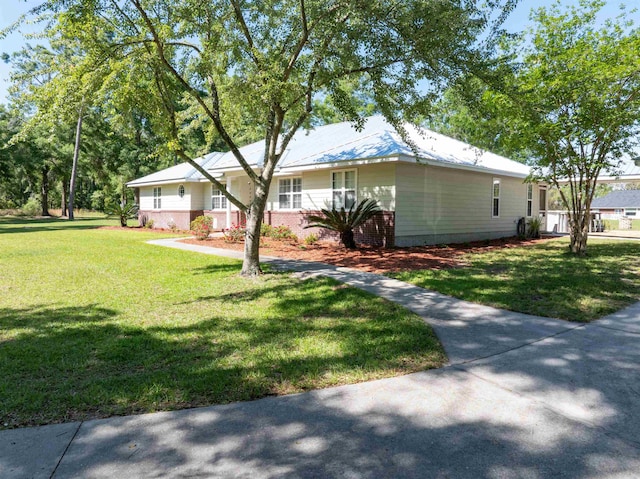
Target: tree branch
[(213, 114), (245, 30)]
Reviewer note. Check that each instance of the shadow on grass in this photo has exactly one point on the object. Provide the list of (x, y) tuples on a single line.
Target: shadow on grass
[(434, 424), (77, 363), (553, 283), (11, 224), (226, 265)]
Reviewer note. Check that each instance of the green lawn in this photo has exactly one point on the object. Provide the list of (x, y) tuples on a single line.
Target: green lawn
[(544, 279), (96, 322)]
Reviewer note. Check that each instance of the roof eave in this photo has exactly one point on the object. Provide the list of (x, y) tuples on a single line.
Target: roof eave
[(138, 183), (474, 168), (336, 164)]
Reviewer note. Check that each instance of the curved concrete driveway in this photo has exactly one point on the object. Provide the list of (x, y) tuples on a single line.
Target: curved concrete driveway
[(522, 397)]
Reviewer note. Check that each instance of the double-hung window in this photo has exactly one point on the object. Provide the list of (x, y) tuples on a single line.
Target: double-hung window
[(218, 200), (529, 199), (157, 198), (495, 203), (343, 186), (290, 193), (630, 211)]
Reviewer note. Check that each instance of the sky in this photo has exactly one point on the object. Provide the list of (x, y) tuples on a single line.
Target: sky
[(10, 11)]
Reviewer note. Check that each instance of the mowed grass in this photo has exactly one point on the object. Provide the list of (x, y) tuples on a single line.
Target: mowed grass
[(96, 322), (544, 279)]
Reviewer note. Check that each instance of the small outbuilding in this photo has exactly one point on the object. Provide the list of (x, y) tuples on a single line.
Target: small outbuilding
[(438, 190), (618, 204)]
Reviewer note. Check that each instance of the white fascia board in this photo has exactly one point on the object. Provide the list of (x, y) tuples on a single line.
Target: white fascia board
[(477, 169), (288, 170), (222, 174), (175, 181), (618, 179)]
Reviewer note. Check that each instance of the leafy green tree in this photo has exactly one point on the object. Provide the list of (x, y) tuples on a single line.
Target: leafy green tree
[(239, 69), (573, 102)]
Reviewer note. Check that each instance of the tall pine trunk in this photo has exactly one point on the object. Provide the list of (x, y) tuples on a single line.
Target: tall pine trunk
[(44, 191), (63, 204), (74, 167)]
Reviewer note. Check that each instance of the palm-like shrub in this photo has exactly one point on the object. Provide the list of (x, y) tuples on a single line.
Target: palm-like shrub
[(345, 221), (123, 212), (533, 227)]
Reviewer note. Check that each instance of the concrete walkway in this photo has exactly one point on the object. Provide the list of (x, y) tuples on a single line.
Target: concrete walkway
[(523, 397)]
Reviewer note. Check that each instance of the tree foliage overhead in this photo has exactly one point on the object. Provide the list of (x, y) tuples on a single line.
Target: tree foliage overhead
[(241, 69), (579, 98), (569, 103)]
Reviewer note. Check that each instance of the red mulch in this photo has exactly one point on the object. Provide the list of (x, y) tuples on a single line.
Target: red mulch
[(367, 258), (374, 259)]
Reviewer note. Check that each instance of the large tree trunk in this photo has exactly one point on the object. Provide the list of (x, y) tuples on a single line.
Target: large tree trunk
[(251, 262), (44, 191), (74, 168), (579, 233)]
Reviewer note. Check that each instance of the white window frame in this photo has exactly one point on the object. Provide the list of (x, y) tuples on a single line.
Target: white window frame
[(529, 212), (494, 197), (181, 191), (290, 194), (219, 196), (157, 197), (343, 190), (628, 210)]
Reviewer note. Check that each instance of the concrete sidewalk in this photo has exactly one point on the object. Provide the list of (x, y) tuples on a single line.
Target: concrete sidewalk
[(523, 397)]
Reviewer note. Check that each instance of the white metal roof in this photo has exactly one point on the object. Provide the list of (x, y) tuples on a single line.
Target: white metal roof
[(325, 146), (183, 172)]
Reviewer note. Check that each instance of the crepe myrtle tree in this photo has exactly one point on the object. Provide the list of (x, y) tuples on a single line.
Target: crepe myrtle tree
[(573, 102), (238, 68)]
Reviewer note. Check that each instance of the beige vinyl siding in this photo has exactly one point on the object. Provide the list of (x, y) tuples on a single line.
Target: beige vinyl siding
[(196, 192), (372, 181), (170, 201), (445, 201)]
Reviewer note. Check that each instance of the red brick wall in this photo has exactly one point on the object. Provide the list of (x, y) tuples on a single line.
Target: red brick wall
[(237, 218), (378, 231), (163, 219)]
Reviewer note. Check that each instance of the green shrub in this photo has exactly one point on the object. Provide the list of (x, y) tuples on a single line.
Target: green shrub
[(533, 227), (266, 230), (31, 208), (202, 226), (283, 232), (234, 234), (311, 239), (149, 224)]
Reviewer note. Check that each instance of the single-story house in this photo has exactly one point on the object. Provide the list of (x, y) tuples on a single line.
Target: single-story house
[(441, 191), (618, 204)]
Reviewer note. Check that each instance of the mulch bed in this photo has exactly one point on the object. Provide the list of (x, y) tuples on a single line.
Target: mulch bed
[(367, 258), (373, 259)]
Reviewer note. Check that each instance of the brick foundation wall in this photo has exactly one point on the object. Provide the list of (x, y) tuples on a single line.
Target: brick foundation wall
[(220, 218), (378, 231), (163, 219)]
